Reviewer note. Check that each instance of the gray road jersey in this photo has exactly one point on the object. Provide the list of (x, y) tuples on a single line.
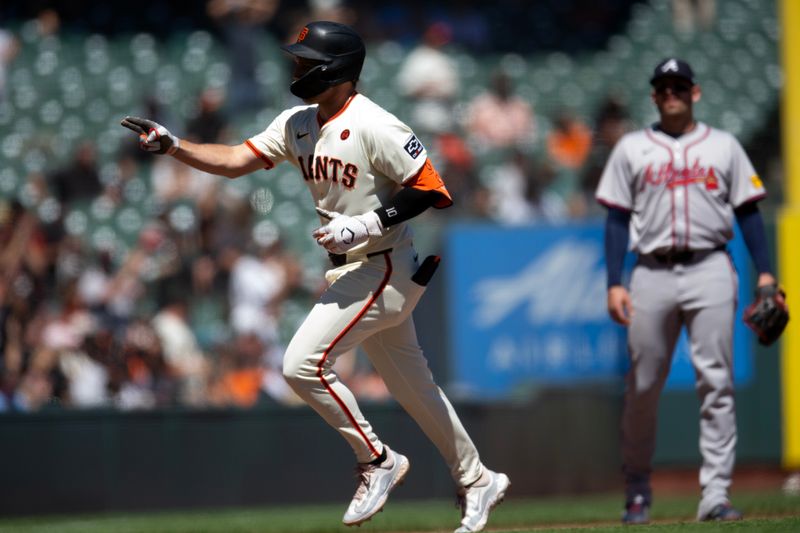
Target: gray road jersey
[(681, 192)]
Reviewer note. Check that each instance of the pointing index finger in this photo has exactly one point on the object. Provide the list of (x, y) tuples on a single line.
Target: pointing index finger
[(327, 215)]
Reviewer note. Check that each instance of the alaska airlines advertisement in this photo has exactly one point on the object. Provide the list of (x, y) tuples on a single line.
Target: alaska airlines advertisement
[(527, 307)]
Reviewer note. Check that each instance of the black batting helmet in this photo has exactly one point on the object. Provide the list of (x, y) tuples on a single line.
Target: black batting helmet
[(338, 48)]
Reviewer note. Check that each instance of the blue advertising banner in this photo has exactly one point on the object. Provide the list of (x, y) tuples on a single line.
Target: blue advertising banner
[(527, 305)]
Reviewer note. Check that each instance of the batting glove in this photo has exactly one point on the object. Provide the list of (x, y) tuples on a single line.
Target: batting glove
[(153, 137), (345, 232)]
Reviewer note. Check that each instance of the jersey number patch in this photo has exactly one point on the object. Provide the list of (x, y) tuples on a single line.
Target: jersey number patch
[(414, 147)]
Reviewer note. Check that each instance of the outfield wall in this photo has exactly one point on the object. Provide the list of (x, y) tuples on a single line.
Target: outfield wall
[(563, 441), (86, 461)]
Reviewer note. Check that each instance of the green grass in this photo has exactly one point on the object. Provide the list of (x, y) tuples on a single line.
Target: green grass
[(766, 511)]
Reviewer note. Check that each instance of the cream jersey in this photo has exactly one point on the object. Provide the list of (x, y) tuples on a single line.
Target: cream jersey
[(353, 163), (681, 192)]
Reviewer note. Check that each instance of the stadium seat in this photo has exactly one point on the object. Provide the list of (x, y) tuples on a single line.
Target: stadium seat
[(61, 89), (10, 182)]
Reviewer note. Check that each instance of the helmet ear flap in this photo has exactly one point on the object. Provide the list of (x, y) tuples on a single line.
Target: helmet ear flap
[(311, 83)]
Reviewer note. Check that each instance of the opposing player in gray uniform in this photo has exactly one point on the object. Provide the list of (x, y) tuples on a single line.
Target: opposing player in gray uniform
[(673, 190)]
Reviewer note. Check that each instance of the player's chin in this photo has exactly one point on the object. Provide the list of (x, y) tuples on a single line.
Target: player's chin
[(311, 99), (672, 109)]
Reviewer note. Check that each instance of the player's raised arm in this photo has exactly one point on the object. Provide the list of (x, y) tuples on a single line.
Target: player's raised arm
[(219, 159)]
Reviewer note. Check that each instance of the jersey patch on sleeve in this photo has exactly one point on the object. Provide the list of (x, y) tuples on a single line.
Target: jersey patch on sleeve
[(413, 147), (756, 181)]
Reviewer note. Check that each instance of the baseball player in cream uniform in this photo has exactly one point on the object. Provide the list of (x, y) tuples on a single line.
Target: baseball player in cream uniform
[(368, 174), (673, 190)]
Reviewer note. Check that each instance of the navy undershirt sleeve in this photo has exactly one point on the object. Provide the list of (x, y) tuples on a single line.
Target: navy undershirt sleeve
[(752, 226), (616, 243)]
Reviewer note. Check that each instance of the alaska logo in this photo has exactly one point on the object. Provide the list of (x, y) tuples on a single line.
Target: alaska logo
[(566, 283), (673, 177), (323, 168)]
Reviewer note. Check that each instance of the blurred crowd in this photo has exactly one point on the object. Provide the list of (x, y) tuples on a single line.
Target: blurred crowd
[(83, 328), (192, 313), (188, 316)]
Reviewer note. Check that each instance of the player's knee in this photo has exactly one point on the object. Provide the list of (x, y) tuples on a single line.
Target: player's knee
[(296, 371), (290, 373)]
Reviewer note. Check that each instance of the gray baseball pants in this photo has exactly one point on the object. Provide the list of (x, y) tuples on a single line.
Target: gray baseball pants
[(701, 295)]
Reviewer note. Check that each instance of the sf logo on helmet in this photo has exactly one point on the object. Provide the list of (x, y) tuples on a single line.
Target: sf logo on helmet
[(303, 34)]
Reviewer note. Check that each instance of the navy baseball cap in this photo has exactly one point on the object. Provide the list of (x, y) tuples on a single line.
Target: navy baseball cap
[(674, 68)]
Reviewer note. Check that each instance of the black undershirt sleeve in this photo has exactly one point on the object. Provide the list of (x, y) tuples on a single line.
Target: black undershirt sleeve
[(405, 205)]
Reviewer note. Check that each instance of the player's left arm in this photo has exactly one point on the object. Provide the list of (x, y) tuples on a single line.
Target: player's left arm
[(768, 314), (746, 191), (394, 152), (751, 225), (425, 189), (399, 155)]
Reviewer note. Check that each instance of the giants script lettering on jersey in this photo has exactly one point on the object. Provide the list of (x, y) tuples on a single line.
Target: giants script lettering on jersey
[(672, 177), (323, 167)]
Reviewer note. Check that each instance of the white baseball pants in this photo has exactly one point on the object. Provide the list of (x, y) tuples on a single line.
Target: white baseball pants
[(369, 303)]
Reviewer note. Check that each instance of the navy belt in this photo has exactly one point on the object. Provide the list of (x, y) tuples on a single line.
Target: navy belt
[(341, 259)]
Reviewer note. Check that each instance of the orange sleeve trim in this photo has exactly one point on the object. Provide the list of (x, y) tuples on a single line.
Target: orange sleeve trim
[(427, 179), (268, 164)]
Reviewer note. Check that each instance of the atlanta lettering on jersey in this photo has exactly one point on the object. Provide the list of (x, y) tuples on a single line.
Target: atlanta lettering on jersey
[(323, 167), (670, 176)]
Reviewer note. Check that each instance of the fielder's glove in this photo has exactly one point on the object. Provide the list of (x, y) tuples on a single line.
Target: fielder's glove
[(153, 137), (344, 232), (767, 315)]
